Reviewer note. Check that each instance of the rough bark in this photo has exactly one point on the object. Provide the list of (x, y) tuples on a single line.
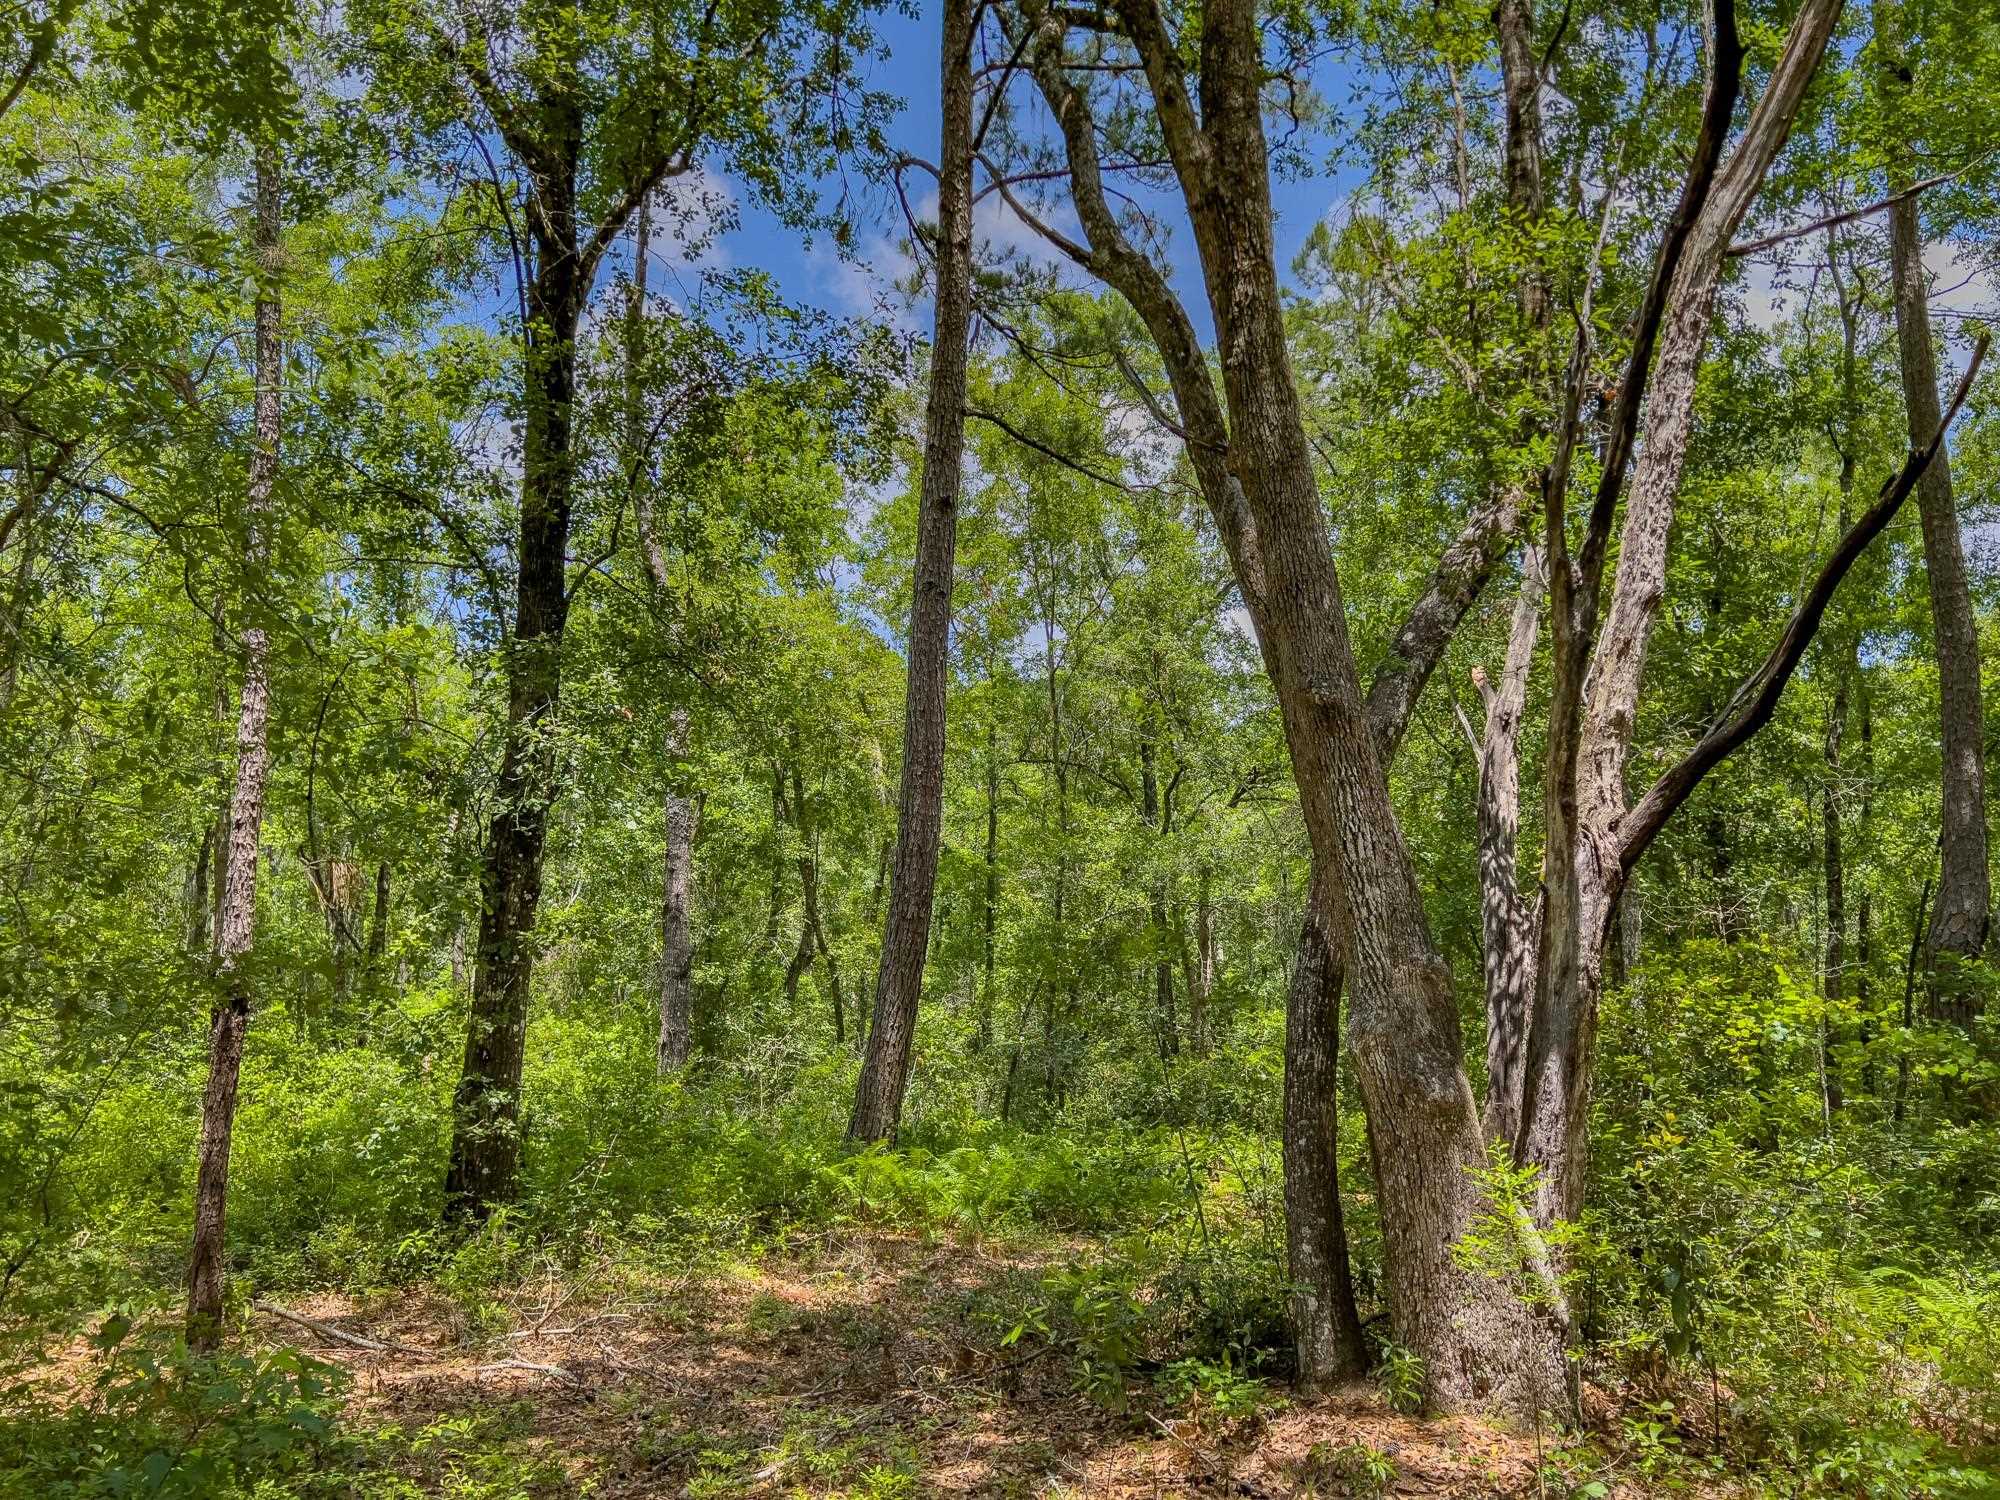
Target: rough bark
[(1586, 808), (676, 904), (1960, 908), (236, 929), (1254, 469), (1506, 915), (1326, 1325), (885, 1069), (485, 1144), (1479, 1344)]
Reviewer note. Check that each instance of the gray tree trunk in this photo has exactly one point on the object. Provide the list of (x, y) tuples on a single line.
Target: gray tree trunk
[(1960, 909), (236, 929)]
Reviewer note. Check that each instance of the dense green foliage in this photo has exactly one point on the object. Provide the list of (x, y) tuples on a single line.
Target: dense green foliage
[(1788, 1276)]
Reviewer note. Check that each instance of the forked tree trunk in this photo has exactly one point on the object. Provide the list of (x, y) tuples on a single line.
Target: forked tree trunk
[(885, 1069), (236, 929), (1479, 1344), (1586, 805)]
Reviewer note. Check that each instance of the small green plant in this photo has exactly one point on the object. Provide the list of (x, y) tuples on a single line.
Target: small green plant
[(1363, 1468), (1219, 1388), (1401, 1374)]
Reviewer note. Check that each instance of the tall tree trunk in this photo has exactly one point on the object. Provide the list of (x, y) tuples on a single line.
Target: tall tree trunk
[(885, 1069), (1961, 907), (808, 866), (1864, 918), (1201, 976), (679, 809), (1843, 657), (1589, 837), (1961, 910), (236, 931), (1478, 1342), (485, 1153), (1326, 1325), (378, 920)]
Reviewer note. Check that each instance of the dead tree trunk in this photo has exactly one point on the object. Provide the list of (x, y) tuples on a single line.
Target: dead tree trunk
[(236, 930), (1592, 840), (1506, 915), (885, 1068)]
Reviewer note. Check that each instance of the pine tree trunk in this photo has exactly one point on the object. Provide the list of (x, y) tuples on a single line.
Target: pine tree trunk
[(885, 1069), (236, 930)]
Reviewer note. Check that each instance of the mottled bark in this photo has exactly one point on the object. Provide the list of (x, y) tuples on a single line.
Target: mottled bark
[(1506, 914), (236, 928), (885, 1069), (1585, 806), (677, 817)]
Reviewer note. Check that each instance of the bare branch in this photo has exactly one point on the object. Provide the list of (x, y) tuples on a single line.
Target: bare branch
[(1750, 707)]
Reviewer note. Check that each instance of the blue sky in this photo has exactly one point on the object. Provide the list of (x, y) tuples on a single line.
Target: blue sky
[(863, 285)]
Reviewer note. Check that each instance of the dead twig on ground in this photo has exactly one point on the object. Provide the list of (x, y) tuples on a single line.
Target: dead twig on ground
[(341, 1335)]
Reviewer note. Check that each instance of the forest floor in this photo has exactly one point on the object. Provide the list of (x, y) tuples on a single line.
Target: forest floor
[(863, 1366)]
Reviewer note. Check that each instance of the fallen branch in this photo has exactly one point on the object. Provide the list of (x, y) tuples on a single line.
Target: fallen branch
[(555, 1371), (342, 1336)]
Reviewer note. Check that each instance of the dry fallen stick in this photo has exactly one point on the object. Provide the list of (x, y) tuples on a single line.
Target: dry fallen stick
[(539, 1332), (556, 1371), (341, 1335)]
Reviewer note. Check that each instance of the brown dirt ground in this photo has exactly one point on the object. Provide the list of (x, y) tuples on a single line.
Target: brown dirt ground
[(800, 1375)]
